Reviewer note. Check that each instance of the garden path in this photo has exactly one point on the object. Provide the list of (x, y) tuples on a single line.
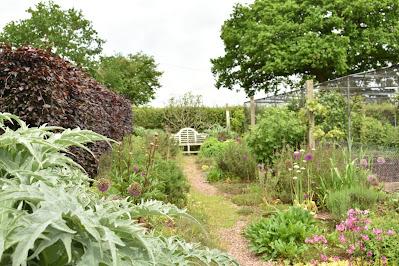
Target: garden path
[(231, 237)]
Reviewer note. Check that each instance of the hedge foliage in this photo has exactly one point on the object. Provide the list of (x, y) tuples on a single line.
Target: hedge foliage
[(201, 118), (41, 87)]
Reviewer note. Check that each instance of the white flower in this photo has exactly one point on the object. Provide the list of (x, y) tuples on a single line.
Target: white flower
[(295, 178), (303, 168), (289, 169), (296, 166), (302, 150), (305, 161), (298, 171)]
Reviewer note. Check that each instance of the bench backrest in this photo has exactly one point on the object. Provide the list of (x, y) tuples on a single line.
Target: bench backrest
[(189, 136)]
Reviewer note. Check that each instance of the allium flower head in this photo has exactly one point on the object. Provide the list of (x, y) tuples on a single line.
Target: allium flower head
[(390, 232), (308, 157), (380, 160), (364, 163), (134, 189), (297, 155), (103, 184), (136, 169)]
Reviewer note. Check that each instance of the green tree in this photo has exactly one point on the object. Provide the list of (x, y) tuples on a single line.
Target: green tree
[(271, 41), (135, 76), (66, 32)]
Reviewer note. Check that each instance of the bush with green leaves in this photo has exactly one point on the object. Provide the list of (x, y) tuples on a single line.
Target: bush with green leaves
[(237, 161), (282, 236), (50, 216), (276, 128), (354, 197), (211, 148), (144, 167)]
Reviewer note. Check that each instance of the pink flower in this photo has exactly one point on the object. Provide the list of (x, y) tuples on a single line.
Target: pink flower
[(297, 155), (340, 227), (390, 232), (308, 157), (380, 160), (384, 260), (369, 253), (351, 249), (342, 239), (323, 257), (364, 163), (365, 237), (377, 231), (103, 184)]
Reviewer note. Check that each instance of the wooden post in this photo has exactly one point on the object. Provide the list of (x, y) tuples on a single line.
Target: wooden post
[(252, 107), (309, 97), (227, 117)]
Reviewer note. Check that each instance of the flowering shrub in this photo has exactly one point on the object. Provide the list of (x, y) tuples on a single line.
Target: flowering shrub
[(283, 235), (357, 240)]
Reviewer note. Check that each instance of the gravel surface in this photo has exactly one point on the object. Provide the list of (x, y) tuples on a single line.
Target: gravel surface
[(232, 237)]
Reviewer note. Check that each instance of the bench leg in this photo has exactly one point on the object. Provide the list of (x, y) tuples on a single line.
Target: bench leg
[(188, 149)]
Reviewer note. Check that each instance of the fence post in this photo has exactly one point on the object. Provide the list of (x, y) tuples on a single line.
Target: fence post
[(227, 117), (252, 107), (309, 97)]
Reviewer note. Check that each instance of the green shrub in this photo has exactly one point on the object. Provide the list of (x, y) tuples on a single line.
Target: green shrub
[(237, 161), (221, 133), (356, 197), (276, 128), (211, 148), (372, 131), (50, 215), (238, 120), (148, 117), (214, 174), (138, 167), (282, 236)]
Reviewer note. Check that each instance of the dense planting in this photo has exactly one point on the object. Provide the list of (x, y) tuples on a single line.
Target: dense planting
[(50, 216), (41, 88)]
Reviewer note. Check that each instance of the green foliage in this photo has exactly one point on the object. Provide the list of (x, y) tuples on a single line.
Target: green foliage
[(384, 112), (323, 39), (212, 148), (67, 32), (276, 128), (372, 131), (282, 236), (237, 161), (49, 216), (145, 164), (238, 120), (187, 111), (221, 133), (335, 115), (135, 76), (355, 197), (214, 174)]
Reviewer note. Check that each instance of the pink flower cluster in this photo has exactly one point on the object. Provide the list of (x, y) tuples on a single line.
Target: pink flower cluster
[(353, 235)]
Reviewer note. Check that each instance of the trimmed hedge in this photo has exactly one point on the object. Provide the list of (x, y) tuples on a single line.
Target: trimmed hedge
[(155, 118), (41, 87)]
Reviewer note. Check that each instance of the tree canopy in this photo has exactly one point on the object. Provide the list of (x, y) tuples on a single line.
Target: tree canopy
[(66, 32), (270, 41), (135, 76)]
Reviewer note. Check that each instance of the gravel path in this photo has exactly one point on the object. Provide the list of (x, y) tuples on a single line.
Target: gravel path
[(232, 238)]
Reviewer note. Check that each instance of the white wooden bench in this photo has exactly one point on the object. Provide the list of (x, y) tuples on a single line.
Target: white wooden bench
[(189, 137)]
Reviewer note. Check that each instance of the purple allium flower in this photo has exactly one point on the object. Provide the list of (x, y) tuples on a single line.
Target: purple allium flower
[(297, 155), (380, 160), (308, 157), (103, 184), (134, 189), (369, 253), (390, 232), (364, 163), (136, 169)]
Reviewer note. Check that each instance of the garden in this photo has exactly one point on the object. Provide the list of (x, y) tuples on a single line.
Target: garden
[(91, 176)]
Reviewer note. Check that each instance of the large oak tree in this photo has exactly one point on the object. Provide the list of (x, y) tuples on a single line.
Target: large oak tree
[(270, 41)]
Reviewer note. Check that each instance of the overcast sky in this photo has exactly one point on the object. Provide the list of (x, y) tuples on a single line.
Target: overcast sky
[(182, 35)]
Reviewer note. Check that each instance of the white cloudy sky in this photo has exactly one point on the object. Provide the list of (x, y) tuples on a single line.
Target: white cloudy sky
[(182, 35)]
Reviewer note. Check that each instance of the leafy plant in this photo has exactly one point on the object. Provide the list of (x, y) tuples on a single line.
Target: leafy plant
[(276, 128), (50, 216), (282, 236), (237, 161), (354, 197), (212, 148), (41, 87)]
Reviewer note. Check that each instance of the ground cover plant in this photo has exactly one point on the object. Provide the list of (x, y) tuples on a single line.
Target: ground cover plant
[(50, 215)]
